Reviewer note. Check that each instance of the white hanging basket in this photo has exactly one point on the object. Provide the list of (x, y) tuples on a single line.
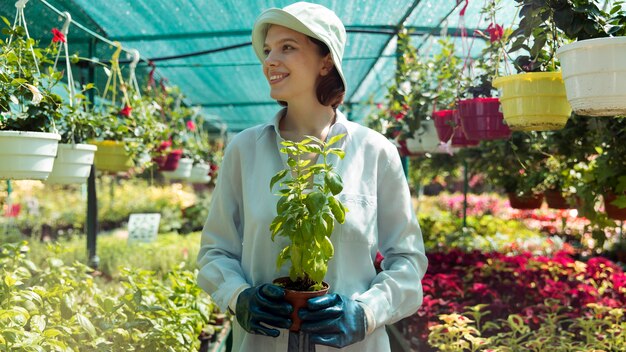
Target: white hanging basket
[(200, 173), (594, 71), (27, 155), (72, 164), (425, 140), (182, 172)]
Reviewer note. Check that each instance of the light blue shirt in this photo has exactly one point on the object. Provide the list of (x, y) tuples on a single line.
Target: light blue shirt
[(237, 251)]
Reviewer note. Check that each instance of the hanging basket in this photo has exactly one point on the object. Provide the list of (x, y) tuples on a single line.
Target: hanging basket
[(459, 139), (594, 71), (169, 161), (534, 101), (425, 140), (555, 200), (200, 173), (482, 119), (72, 164), (182, 172), (613, 211), (525, 202), (444, 123), (27, 155), (111, 157)]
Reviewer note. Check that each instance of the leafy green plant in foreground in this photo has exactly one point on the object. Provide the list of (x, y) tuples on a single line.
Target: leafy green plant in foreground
[(307, 210)]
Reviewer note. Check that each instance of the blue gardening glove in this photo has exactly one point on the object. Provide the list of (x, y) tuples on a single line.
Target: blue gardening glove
[(263, 304), (333, 320)]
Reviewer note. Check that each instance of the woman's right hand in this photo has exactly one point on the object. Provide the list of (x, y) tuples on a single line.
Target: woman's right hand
[(263, 304)]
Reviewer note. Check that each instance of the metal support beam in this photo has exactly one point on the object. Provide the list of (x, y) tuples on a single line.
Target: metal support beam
[(92, 199), (408, 13)]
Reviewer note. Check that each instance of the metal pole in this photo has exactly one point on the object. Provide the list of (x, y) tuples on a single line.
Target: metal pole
[(92, 199), (465, 188)]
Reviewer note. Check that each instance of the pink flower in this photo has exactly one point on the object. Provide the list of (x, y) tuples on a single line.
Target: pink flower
[(495, 32), (58, 36), (126, 111), (191, 126)]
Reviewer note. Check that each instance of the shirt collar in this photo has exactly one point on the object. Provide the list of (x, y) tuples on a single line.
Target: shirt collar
[(341, 124)]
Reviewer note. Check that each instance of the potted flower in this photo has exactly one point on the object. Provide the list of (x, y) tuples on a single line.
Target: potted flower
[(306, 215), (535, 99), (28, 107), (480, 113), (419, 83), (593, 65)]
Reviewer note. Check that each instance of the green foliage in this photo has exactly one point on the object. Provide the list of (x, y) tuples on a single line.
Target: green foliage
[(421, 85), (26, 99), (307, 209), (602, 329), (58, 211), (57, 307)]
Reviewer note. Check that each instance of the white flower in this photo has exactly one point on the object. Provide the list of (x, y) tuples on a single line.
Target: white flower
[(36, 94)]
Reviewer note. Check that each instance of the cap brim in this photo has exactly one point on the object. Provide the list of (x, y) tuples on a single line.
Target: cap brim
[(285, 19)]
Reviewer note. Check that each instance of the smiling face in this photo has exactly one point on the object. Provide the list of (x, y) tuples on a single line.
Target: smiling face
[(293, 64)]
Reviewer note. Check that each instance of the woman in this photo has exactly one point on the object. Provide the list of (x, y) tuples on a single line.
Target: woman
[(301, 48)]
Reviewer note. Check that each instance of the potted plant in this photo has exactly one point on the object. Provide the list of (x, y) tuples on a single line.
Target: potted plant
[(593, 65), (420, 84), (535, 99), (28, 107), (480, 112), (306, 215), (516, 165), (75, 156)]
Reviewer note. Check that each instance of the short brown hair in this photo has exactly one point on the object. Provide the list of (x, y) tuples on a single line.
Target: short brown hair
[(330, 90)]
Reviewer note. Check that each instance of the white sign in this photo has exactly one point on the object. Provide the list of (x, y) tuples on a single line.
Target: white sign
[(143, 227)]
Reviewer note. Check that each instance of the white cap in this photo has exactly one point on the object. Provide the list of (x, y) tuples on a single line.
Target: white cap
[(313, 20)]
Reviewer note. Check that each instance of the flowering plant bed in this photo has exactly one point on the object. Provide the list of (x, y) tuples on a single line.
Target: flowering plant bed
[(539, 291)]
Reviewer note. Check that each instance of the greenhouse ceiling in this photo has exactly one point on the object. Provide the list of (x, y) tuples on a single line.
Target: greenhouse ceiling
[(203, 46)]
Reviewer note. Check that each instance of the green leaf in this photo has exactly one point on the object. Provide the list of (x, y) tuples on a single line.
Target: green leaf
[(337, 210), (282, 257), (334, 182), (310, 148), (335, 139), (38, 322), (315, 201), (327, 247), (340, 153), (51, 333), (6, 21), (86, 324), (9, 280), (279, 176)]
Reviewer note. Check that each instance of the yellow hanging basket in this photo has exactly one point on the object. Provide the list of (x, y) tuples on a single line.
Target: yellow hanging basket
[(534, 101), (111, 156)]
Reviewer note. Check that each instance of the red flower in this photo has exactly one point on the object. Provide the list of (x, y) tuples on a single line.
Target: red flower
[(126, 111), (191, 126), (495, 32), (57, 36)]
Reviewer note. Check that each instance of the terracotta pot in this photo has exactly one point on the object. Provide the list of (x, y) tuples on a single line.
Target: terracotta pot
[(482, 119), (555, 199), (525, 202), (613, 211), (298, 299)]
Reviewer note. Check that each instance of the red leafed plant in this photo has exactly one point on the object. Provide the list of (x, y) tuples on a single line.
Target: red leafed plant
[(506, 285)]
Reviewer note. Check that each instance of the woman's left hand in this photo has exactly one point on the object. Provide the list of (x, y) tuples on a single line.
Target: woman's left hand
[(333, 320)]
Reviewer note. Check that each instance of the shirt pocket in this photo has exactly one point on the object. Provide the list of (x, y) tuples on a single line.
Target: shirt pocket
[(361, 222)]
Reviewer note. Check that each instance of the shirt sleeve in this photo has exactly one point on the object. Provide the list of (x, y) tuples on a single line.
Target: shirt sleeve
[(396, 292), (219, 259)]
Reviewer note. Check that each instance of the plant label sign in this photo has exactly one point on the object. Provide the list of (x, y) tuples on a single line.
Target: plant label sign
[(143, 227)]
